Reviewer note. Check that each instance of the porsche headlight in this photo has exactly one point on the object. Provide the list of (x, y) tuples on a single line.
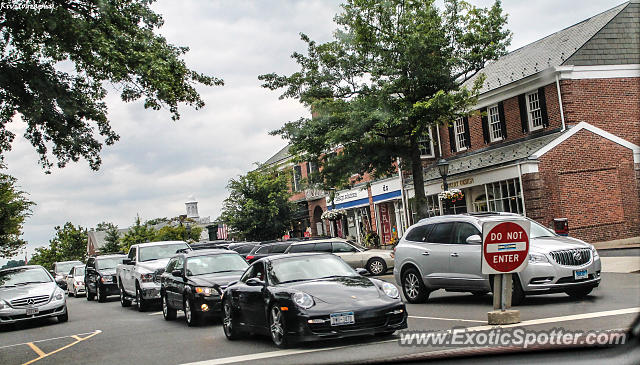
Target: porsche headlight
[(536, 258), (303, 300), (390, 290)]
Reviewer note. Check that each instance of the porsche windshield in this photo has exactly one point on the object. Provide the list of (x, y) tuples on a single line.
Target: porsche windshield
[(308, 268)]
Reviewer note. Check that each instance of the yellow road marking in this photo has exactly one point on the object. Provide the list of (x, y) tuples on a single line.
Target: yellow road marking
[(42, 355), (36, 349)]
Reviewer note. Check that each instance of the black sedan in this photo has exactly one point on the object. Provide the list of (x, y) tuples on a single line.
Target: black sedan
[(304, 297), (193, 282)]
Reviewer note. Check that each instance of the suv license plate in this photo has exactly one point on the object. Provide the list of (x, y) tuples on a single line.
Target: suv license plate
[(341, 319), (32, 311), (580, 274)]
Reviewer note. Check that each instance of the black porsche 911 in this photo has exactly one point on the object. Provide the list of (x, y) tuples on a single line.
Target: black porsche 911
[(310, 296), (193, 282)]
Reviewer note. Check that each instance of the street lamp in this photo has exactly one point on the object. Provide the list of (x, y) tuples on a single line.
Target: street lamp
[(443, 169)]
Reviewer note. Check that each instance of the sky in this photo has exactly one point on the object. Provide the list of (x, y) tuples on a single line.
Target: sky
[(158, 163)]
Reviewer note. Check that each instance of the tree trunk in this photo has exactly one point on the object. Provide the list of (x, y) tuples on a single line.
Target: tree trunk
[(418, 179)]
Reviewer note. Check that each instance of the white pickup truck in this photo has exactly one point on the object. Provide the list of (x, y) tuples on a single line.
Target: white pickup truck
[(139, 274)]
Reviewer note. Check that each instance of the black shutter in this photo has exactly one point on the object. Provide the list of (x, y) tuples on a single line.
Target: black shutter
[(524, 117), (452, 139), (503, 120), (543, 107), (485, 125), (467, 136)]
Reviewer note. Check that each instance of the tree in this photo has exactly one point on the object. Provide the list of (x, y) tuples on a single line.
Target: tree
[(69, 243), (98, 42), (111, 239), (178, 233), (15, 208), (12, 263), (258, 206), (394, 69), (138, 233)]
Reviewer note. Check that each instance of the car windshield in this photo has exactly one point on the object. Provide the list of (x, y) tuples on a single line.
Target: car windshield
[(308, 268), (538, 230), (24, 276), (80, 271), (64, 268), (160, 251), (201, 265), (104, 264)]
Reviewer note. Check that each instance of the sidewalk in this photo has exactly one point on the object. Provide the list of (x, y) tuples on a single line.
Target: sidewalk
[(624, 265), (632, 242)]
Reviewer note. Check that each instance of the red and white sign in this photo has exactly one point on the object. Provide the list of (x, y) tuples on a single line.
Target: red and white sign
[(505, 246)]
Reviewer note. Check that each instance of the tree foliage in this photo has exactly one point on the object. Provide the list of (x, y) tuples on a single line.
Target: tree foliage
[(138, 233), (55, 62), (176, 229), (258, 206), (394, 69), (15, 208), (12, 263), (111, 239), (69, 243)]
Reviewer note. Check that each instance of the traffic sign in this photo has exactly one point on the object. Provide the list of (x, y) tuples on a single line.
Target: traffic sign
[(505, 246)]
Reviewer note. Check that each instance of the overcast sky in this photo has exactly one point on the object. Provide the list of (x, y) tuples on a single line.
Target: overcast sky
[(158, 163)]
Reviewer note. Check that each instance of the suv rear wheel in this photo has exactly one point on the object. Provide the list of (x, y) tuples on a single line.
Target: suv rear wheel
[(413, 287)]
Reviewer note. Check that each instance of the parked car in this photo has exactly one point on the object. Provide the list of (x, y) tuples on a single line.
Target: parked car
[(445, 253), (75, 281), (100, 276), (193, 282), (243, 248), (139, 274), (310, 296), (30, 292), (376, 261), (61, 269), (267, 249)]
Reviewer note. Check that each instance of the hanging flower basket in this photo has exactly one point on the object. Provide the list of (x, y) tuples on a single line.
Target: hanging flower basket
[(334, 215), (451, 196)]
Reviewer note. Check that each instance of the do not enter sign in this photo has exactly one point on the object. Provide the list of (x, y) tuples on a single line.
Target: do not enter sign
[(505, 246)]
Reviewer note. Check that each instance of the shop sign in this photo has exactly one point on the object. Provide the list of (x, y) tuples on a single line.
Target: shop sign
[(385, 222), (458, 183), (384, 187), (345, 196)]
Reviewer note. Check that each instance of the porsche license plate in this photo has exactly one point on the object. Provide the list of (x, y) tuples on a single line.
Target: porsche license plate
[(32, 311), (580, 274), (341, 319)]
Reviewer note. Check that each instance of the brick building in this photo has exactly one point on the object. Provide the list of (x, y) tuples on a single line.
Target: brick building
[(555, 134)]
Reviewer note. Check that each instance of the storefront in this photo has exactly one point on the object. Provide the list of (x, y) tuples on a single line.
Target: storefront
[(355, 202), (387, 199)]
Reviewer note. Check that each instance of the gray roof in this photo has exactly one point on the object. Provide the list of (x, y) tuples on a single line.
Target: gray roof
[(547, 52), (617, 43), (493, 156), (281, 155)]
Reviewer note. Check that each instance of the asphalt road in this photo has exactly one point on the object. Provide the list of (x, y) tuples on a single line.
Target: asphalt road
[(106, 333)]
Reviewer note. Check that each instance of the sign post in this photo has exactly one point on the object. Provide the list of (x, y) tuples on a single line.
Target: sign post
[(505, 250)]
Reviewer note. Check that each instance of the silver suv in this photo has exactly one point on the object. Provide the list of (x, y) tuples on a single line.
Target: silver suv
[(445, 253)]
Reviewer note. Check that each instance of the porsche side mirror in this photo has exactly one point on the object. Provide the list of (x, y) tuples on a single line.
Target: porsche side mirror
[(361, 271), (474, 239), (255, 282)]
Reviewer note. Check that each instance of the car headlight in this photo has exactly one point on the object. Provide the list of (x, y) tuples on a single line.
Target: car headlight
[(106, 279), (58, 295), (390, 290), (2, 304), (594, 252), (205, 291), (536, 258), (146, 278), (303, 300)]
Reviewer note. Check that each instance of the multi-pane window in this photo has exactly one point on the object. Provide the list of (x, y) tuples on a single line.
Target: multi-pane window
[(534, 111), (312, 169), (461, 140), (501, 196), (494, 124), (426, 146), (297, 177)]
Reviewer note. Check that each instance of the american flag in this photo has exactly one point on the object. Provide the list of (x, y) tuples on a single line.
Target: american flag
[(223, 232)]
